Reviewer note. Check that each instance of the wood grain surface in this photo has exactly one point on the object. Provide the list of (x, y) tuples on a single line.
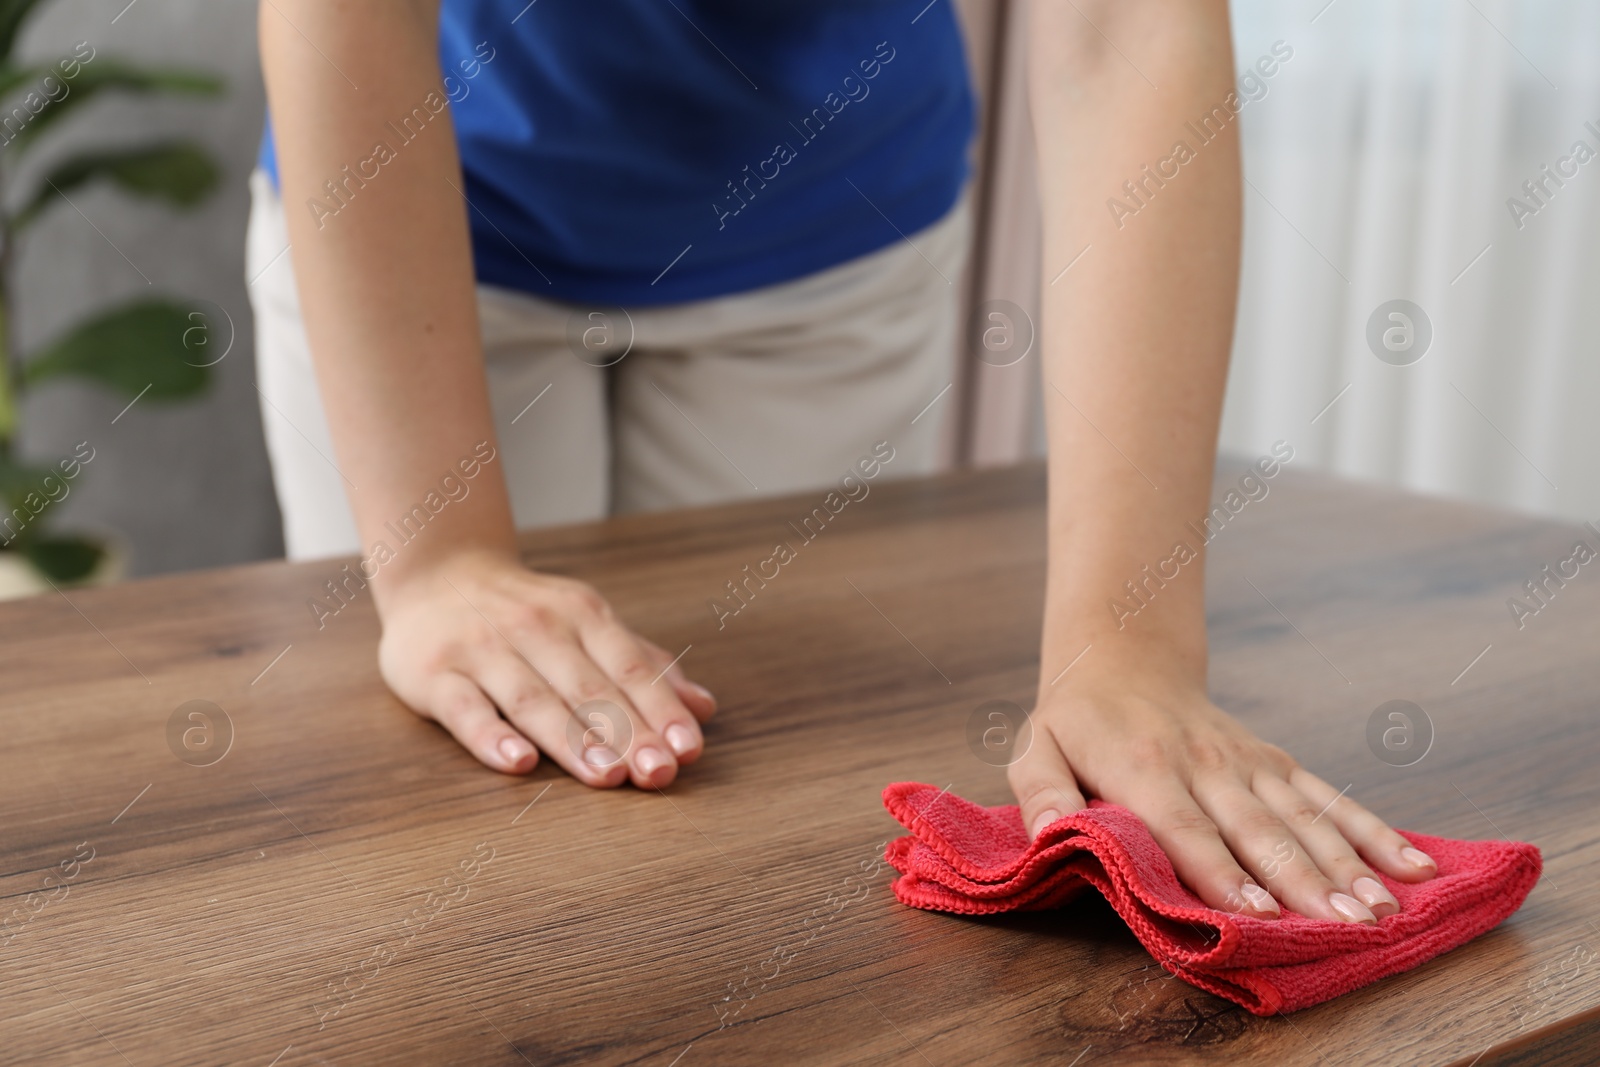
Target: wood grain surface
[(345, 886)]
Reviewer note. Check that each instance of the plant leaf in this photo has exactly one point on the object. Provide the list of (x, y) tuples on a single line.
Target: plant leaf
[(25, 120), (13, 13), (180, 173), (17, 480), (135, 349), (11, 77), (64, 559)]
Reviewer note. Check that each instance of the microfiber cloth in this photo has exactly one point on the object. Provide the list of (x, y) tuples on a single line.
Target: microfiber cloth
[(965, 858)]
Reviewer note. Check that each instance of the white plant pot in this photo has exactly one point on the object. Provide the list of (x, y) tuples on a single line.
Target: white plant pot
[(18, 579)]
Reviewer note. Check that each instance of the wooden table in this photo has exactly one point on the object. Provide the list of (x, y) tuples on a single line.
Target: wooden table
[(288, 903)]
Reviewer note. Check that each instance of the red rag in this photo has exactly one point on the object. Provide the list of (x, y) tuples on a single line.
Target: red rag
[(966, 858)]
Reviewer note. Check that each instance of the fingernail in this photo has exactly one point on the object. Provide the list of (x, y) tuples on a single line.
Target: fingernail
[(702, 692), (1371, 892), (681, 738), (514, 749), (1046, 817), (1418, 858), (1352, 909), (1259, 898), (651, 760), (599, 756)]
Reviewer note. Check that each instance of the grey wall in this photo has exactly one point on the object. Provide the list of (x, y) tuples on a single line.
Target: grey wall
[(185, 485)]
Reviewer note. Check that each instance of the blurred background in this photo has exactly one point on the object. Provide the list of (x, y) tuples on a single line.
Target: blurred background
[(178, 484), (1379, 164), (1379, 161)]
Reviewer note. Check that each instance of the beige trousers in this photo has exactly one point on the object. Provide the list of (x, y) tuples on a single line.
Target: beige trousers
[(611, 410)]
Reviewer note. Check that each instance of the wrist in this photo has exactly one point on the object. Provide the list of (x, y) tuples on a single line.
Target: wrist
[(1073, 653), (423, 570), (1150, 618)]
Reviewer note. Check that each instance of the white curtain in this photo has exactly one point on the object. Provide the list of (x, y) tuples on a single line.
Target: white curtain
[(1380, 165), (1380, 162)]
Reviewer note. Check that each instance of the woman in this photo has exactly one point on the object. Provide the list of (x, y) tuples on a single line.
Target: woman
[(714, 244)]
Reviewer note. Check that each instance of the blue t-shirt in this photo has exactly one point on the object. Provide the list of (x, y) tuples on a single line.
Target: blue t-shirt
[(657, 151)]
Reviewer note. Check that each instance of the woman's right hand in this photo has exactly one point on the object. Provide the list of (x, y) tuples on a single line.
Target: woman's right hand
[(507, 659), (496, 654)]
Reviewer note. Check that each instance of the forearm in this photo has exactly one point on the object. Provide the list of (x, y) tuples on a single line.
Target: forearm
[(386, 282), (1137, 334)]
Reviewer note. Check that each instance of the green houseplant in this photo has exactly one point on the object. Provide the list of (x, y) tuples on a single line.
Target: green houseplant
[(148, 349)]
